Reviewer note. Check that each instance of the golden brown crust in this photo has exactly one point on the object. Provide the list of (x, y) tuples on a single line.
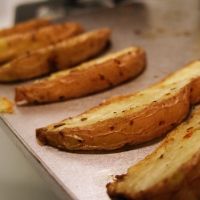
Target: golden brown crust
[(6, 105), (182, 183), (130, 119), (15, 45), (85, 79), (117, 132), (60, 56), (24, 27)]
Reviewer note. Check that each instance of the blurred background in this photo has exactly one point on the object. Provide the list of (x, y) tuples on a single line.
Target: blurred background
[(8, 8), (19, 10)]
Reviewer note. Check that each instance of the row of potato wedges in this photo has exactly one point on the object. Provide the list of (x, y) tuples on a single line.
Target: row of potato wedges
[(173, 167), (55, 47)]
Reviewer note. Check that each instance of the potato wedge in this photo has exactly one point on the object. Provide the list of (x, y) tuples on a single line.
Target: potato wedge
[(130, 119), (59, 56), (89, 77), (171, 172), (15, 45), (5, 105), (24, 27)]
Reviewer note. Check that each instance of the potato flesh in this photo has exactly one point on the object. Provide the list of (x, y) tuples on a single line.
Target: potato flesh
[(165, 162), (133, 104), (136, 102)]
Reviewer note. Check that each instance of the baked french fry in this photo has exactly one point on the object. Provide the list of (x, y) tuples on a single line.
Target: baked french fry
[(15, 45), (59, 56), (5, 105), (87, 78), (24, 27), (130, 119), (171, 172)]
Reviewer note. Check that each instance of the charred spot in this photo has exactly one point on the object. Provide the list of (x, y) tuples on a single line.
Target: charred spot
[(189, 133), (61, 98), (120, 177), (41, 136), (123, 111), (52, 63), (117, 61), (131, 122), (171, 139), (61, 133), (168, 94), (161, 156), (173, 88), (161, 123), (173, 124), (58, 125), (129, 53), (80, 141), (112, 128), (114, 112), (190, 129), (109, 82), (192, 116), (83, 119), (102, 77), (154, 101)]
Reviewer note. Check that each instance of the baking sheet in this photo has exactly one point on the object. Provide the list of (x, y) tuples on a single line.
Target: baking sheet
[(170, 33)]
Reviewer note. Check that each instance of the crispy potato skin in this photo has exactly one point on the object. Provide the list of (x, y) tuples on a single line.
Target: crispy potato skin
[(56, 57), (14, 45), (132, 127), (24, 27), (97, 77), (183, 184), (115, 133)]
